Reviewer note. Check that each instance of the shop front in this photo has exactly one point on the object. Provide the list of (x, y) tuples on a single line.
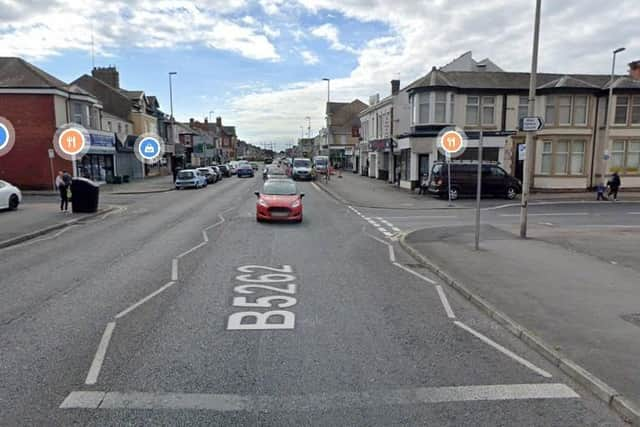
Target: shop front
[(99, 163)]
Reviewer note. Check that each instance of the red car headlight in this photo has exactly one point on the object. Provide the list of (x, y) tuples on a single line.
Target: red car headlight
[(295, 204), (263, 203)]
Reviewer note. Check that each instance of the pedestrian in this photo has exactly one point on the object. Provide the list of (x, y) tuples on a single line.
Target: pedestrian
[(614, 185), (62, 187), (398, 175), (600, 191)]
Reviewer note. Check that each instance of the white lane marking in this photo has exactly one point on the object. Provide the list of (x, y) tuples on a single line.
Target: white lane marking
[(98, 359), (548, 224), (205, 237), (552, 214), (423, 217), (119, 210), (345, 399), (41, 239), (174, 269), (392, 254), (633, 213), (418, 275), (196, 247), (614, 262), (366, 218), (383, 230), (503, 350), (445, 302), (143, 300)]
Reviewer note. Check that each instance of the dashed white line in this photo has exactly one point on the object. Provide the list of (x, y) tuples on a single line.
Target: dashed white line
[(445, 302), (418, 275), (392, 254), (98, 359), (196, 247), (551, 214), (503, 350), (143, 300), (174, 269)]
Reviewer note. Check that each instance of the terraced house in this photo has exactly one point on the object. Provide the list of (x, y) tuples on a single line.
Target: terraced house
[(571, 152)]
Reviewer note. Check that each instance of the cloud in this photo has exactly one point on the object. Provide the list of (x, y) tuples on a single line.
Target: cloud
[(309, 57), (40, 29), (270, 31), (330, 33), (271, 7)]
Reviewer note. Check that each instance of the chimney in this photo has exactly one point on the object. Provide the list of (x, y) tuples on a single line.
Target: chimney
[(108, 75), (395, 87), (206, 121), (191, 122), (219, 121), (634, 70)]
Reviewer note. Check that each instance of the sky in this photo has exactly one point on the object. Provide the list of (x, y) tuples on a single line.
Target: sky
[(260, 64)]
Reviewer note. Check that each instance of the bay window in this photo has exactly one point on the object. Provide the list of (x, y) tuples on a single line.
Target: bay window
[(432, 107), (424, 107), (625, 155), (441, 108), (488, 110), (563, 157), (550, 110), (564, 110), (580, 108), (473, 110), (622, 107), (523, 107), (635, 111)]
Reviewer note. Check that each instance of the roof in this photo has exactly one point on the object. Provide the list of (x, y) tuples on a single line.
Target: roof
[(465, 62), (229, 130), (112, 99), (18, 73), (345, 113), (511, 81)]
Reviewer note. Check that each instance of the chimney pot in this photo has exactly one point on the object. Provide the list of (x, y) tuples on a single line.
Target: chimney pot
[(395, 87)]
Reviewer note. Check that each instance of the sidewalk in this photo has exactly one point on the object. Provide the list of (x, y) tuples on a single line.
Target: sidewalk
[(363, 191), (582, 306), (33, 219), (157, 184)]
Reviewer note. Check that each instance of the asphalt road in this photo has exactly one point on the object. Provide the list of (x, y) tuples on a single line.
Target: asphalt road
[(140, 318)]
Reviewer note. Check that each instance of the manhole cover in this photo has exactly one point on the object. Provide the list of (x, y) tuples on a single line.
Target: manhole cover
[(632, 318)]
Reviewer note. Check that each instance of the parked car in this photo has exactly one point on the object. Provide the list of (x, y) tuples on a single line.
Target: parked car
[(245, 169), (10, 196), (273, 172), (302, 169), (232, 168), (209, 174), (279, 200), (218, 172), (321, 165), (268, 161), (190, 178), (225, 170), (464, 180)]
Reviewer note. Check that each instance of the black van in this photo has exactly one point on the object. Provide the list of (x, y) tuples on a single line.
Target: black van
[(464, 180)]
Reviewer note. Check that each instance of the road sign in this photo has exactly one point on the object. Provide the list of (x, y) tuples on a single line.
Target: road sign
[(531, 124), (452, 143), (51, 153), (71, 142)]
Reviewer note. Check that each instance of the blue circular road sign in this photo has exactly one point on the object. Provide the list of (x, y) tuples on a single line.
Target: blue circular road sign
[(4, 136)]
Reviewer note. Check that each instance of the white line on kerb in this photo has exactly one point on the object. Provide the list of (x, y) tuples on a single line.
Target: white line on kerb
[(392, 254), (96, 365), (143, 300), (418, 275), (503, 350), (445, 302), (315, 401), (174, 269)]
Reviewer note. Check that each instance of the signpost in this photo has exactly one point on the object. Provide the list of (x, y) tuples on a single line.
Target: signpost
[(452, 143), (531, 124), (51, 154)]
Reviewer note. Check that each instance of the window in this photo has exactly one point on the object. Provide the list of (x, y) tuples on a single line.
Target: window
[(424, 107), (488, 109), (564, 110), (119, 127), (77, 113), (635, 111), (550, 110), (441, 108), (625, 155), (622, 106), (580, 108), (452, 104), (523, 107), (405, 164), (473, 105), (563, 157), (109, 126)]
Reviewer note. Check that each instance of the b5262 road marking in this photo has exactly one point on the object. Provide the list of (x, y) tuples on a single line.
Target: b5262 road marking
[(280, 282)]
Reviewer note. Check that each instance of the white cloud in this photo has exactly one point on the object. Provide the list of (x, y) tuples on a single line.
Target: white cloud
[(270, 31), (309, 57), (271, 7), (41, 30), (330, 33), (249, 20)]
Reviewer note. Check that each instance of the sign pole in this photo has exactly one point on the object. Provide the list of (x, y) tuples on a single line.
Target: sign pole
[(449, 177), (479, 187), (529, 141), (53, 178)]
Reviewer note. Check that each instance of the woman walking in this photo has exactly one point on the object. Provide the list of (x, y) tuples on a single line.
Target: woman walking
[(63, 187)]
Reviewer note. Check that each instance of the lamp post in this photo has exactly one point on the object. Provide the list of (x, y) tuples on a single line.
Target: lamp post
[(610, 115), (171, 73), (327, 116), (528, 160), (211, 114)]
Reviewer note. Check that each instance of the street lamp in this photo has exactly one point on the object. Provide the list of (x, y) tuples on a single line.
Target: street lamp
[(327, 116), (211, 114), (171, 73), (610, 106)]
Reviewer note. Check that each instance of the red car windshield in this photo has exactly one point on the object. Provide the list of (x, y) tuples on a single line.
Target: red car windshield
[(279, 188)]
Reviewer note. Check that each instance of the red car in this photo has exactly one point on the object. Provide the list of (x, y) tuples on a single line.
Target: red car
[(279, 200)]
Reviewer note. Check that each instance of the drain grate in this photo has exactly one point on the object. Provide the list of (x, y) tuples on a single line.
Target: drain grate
[(632, 318)]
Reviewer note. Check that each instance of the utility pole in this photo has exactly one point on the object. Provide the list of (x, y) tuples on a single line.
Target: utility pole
[(308, 126), (327, 116), (528, 159), (610, 116), (171, 74), (479, 184)]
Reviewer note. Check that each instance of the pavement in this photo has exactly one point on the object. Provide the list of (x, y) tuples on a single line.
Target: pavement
[(584, 305), (181, 309), (156, 184), (366, 192)]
